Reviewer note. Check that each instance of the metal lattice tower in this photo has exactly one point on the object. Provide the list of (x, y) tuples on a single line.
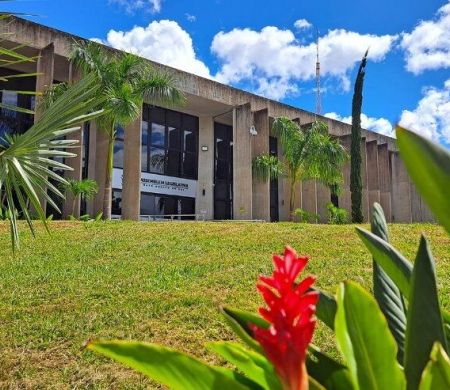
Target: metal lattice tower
[(318, 97)]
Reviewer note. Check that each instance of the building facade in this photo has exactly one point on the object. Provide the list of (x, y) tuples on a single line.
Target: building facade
[(195, 161)]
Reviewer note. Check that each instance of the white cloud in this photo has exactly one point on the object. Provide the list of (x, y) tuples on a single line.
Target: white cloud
[(134, 5), (190, 18), (271, 56), (378, 125), (428, 45), (302, 24), (162, 41), (431, 117)]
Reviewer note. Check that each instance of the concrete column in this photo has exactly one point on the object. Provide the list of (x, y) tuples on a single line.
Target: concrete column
[(323, 196), (260, 145), (76, 163), (100, 156), (365, 191), (309, 197), (131, 189), (345, 200), (427, 215), (384, 176), (45, 70), (373, 180), (401, 197), (284, 191), (416, 203), (91, 173), (204, 203), (242, 162)]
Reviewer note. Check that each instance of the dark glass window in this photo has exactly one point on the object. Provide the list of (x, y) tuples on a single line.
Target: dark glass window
[(223, 171), (171, 144), (274, 209), (144, 147), (158, 135), (118, 148), (163, 205), (13, 122), (116, 204), (157, 160)]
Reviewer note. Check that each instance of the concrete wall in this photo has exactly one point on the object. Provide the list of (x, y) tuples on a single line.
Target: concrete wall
[(373, 179), (205, 188), (242, 162), (131, 189), (401, 191), (385, 180), (260, 146)]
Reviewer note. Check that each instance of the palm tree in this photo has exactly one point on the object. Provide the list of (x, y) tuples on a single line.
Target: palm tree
[(26, 160), (308, 154), (126, 82), (85, 189)]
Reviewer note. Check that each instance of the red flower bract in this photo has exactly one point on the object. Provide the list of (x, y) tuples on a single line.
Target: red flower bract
[(290, 313)]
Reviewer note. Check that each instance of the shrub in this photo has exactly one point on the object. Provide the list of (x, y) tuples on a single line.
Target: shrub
[(304, 216), (336, 215)]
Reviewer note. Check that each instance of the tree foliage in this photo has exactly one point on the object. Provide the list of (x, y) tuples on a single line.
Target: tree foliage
[(309, 154), (126, 82), (355, 149)]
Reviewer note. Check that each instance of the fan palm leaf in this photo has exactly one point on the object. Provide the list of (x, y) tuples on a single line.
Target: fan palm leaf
[(26, 159)]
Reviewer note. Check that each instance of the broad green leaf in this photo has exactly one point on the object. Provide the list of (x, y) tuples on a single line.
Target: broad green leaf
[(239, 321), (326, 308), (328, 372), (437, 372), (398, 268), (431, 174), (425, 326), (252, 364), (386, 293), (171, 368), (314, 385), (365, 341)]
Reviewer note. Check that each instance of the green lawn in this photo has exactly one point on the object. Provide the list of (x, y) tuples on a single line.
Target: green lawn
[(160, 282)]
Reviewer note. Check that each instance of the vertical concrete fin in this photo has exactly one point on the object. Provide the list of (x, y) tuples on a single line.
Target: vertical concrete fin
[(384, 175), (260, 146), (205, 190), (131, 189), (401, 191), (373, 179), (72, 206), (242, 162)]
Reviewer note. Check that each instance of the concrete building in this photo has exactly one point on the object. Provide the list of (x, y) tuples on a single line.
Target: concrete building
[(197, 159)]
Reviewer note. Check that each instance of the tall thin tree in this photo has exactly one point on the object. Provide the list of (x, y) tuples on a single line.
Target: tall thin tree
[(355, 149)]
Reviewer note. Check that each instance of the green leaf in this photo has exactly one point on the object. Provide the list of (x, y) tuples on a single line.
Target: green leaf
[(365, 341), (326, 308), (252, 364), (239, 321), (431, 175), (437, 372), (425, 325), (328, 372), (386, 293), (398, 268), (171, 368)]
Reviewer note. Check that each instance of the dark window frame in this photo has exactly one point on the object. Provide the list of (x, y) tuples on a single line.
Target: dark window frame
[(172, 120)]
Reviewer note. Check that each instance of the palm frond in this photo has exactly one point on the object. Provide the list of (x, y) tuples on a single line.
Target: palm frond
[(26, 158)]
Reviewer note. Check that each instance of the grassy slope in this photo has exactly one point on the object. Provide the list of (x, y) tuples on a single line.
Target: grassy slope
[(160, 282)]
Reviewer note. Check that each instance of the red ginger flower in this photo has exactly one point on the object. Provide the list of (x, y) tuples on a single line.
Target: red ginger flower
[(290, 313)]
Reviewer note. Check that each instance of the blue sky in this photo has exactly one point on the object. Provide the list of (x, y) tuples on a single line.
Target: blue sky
[(268, 48)]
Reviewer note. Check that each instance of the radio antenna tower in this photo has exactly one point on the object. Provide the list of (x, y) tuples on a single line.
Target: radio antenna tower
[(318, 97)]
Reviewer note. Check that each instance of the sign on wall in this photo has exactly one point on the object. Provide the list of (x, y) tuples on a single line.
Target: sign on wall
[(159, 184)]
